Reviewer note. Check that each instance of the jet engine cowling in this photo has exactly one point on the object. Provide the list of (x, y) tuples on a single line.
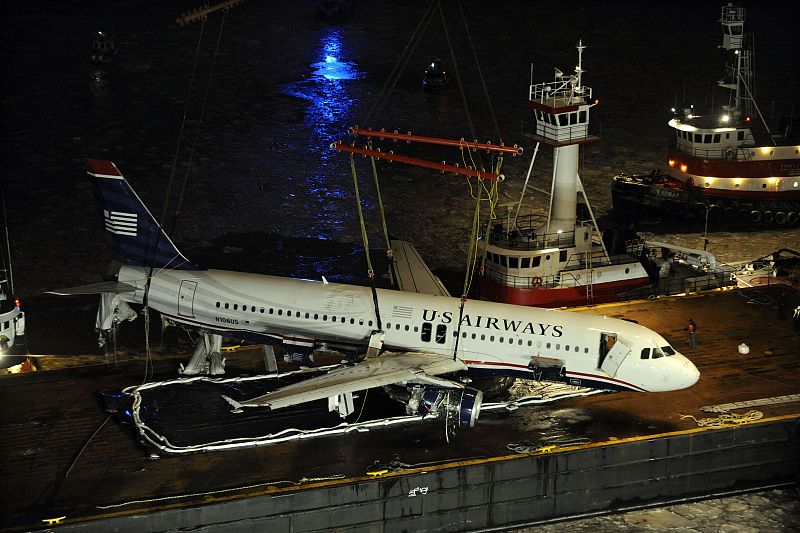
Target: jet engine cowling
[(461, 405)]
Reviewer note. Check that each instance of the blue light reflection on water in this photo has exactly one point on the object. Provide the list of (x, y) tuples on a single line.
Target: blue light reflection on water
[(329, 93)]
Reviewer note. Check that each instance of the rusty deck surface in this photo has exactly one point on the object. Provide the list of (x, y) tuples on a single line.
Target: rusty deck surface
[(64, 457)]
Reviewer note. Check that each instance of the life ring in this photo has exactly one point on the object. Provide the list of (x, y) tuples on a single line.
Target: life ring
[(537, 281), (780, 218), (755, 216)]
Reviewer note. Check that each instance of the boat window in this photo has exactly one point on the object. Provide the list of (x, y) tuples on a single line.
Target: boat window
[(573, 118), (646, 353), (503, 261), (547, 257), (668, 350), (547, 118), (707, 138), (536, 261), (563, 119), (526, 262), (740, 135), (426, 331), (583, 117), (513, 262), (717, 137), (698, 138), (562, 255)]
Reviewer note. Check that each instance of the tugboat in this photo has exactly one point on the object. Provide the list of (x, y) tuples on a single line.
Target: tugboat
[(722, 167), (436, 76), (560, 260), (12, 318)]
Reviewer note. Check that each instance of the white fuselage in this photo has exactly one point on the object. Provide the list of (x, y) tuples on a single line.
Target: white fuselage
[(493, 338)]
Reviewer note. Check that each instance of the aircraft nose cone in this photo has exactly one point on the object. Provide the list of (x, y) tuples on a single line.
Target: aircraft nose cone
[(690, 374)]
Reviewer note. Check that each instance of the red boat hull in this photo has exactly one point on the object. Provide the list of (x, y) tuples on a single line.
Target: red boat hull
[(561, 297)]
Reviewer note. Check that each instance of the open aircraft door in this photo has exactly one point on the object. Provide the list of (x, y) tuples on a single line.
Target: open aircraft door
[(186, 298), (612, 353)]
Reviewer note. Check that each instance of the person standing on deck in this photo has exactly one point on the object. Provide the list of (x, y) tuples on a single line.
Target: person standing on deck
[(692, 329)]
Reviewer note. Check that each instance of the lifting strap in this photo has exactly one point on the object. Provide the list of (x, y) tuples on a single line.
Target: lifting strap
[(389, 253), (365, 239)]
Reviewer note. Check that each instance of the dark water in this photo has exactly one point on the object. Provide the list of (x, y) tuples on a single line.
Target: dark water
[(286, 83)]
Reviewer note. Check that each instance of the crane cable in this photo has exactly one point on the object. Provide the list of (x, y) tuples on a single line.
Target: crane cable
[(402, 62), (365, 239), (145, 298)]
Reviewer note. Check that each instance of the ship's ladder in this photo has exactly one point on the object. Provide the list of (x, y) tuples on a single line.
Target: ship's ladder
[(589, 279)]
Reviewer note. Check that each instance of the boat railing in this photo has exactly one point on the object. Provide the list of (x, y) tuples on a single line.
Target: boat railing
[(730, 153), (521, 282), (522, 234), (680, 285)]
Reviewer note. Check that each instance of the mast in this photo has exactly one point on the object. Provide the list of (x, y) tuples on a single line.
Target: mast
[(562, 108)]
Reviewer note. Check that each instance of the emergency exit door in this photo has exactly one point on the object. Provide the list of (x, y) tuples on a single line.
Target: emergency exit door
[(186, 298)]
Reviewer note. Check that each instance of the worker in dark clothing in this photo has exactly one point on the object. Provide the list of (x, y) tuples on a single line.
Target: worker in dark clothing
[(691, 329)]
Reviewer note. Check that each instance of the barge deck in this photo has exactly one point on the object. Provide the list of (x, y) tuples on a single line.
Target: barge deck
[(68, 461)]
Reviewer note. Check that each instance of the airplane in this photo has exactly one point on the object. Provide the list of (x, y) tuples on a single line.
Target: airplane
[(422, 348)]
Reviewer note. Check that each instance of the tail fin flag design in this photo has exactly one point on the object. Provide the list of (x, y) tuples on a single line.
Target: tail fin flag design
[(133, 233)]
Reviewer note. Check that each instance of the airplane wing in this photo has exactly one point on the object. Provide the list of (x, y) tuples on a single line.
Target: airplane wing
[(94, 288), (386, 369), (411, 273)]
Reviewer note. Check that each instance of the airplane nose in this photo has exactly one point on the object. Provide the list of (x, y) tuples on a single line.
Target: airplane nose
[(689, 374)]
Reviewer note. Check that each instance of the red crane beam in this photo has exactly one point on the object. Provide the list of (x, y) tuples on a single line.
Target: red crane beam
[(409, 137), (442, 167)]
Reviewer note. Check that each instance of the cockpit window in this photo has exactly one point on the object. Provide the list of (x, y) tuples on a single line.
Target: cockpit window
[(657, 353), (646, 353), (668, 350)]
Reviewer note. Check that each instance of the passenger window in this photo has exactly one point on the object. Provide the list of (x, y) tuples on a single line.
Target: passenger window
[(426, 331), (217, 304), (227, 305), (441, 333), (646, 353), (235, 307)]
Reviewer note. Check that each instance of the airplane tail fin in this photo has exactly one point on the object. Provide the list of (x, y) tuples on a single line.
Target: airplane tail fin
[(133, 233)]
